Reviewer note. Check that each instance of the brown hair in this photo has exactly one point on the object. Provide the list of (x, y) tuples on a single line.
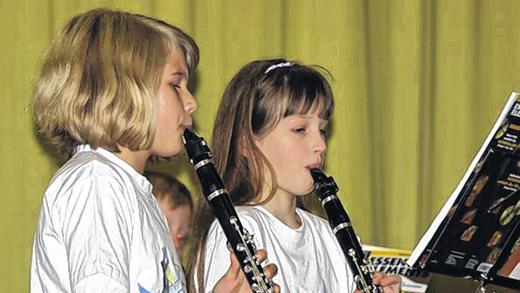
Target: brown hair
[(256, 99), (168, 188), (100, 76)]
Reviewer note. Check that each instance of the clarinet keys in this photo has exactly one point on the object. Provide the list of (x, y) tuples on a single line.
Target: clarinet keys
[(213, 189), (325, 188)]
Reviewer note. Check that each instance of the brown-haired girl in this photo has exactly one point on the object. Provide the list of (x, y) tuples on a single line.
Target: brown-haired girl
[(112, 92), (269, 132)]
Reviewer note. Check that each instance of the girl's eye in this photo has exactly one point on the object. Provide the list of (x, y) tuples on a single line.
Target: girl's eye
[(323, 132), (299, 130), (175, 86)]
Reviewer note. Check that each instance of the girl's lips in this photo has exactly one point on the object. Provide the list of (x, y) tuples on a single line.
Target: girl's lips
[(314, 166)]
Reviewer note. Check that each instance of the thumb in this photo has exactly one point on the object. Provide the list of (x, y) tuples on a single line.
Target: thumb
[(234, 267)]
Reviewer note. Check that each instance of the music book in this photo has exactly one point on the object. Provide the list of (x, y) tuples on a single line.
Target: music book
[(476, 233), (393, 261)]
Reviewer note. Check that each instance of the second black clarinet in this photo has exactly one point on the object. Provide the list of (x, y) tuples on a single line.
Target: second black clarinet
[(326, 189), (217, 196)]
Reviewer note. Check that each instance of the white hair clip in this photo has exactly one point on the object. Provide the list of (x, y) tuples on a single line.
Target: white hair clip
[(279, 65)]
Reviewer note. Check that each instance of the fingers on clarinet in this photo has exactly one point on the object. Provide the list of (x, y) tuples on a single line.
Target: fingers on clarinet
[(390, 280), (261, 255), (378, 277), (276, 288), (270, 270)]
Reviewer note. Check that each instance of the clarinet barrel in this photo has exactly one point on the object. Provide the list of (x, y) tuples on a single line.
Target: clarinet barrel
[(326, 189), (238, 237)]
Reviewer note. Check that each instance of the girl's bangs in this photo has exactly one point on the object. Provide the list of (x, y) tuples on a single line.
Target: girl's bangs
[(309, 92)]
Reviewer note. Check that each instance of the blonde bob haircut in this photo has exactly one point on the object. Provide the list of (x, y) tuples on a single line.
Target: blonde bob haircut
[(100, 78)]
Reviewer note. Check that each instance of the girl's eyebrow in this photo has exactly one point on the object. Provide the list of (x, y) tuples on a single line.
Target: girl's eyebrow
[(180, 73), (298, 115), (306, 116), (324, 123), (297, 118)]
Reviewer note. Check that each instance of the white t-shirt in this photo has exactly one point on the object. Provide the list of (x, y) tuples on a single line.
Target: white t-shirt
[(309, 259), (101, 230)]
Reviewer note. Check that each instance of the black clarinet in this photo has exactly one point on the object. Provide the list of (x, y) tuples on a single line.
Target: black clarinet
[(362, 269), (217, 196)]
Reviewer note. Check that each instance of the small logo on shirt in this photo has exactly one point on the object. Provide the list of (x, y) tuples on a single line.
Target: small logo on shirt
[(173, 275)]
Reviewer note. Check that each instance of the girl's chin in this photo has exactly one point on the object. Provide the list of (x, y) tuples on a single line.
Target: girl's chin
[(306, 191), (167, 154)]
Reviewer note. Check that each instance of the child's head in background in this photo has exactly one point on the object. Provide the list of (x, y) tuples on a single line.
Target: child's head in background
[(176, 202)]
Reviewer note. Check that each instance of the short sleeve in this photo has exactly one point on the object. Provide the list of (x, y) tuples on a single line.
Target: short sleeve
[(97, 229)]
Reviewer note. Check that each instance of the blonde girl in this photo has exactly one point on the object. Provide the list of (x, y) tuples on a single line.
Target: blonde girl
[(112, 92)]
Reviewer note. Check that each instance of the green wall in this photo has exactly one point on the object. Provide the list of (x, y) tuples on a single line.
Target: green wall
[(418, 85)]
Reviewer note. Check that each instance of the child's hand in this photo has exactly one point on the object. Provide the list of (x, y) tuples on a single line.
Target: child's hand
[(389, 283), (234, 281)]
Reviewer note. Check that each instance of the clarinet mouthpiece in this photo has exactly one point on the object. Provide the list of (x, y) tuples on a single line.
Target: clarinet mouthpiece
[(323, 185), (189, 135), (196, 147), (317, 174)]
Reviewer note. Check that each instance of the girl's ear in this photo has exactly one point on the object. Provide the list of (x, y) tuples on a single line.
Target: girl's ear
[(244, 147)]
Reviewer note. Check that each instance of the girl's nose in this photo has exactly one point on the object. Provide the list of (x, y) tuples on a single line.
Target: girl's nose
[(190, 103), (320, 145)]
